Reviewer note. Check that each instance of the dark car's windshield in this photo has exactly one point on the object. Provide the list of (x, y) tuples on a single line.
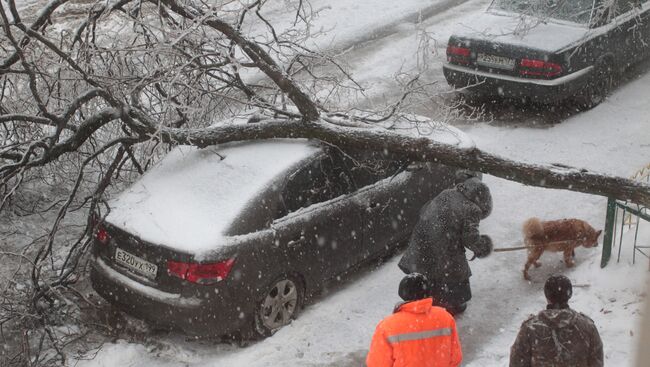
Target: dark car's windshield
[(577, 11)]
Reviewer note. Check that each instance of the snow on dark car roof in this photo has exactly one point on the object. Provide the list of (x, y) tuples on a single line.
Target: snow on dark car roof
[(525, 31), (414, 126), (189, 199)]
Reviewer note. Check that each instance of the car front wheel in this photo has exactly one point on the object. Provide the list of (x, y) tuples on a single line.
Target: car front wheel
[(279, 305)]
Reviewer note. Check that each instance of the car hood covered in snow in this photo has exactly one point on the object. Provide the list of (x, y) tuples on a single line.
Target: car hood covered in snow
[(522, 31), (192, 196)]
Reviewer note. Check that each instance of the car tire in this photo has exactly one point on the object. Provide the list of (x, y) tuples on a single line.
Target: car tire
[(278, 305), (599, 87)]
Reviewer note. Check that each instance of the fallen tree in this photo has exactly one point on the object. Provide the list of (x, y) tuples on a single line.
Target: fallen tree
[(94, 105), (555, 176)]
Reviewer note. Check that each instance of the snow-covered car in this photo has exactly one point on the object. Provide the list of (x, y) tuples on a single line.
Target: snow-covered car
[(548, 51), (234, 239)]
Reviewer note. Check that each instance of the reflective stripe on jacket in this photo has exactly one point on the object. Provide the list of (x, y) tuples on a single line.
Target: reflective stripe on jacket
[(418, 334)]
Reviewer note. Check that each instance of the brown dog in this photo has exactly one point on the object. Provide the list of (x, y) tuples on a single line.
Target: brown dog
[(556, 235)]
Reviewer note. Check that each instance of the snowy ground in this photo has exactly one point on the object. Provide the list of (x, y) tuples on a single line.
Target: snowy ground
[(335, 331)]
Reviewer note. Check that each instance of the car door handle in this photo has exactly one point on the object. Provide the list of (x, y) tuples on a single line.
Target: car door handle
[(296, 241)]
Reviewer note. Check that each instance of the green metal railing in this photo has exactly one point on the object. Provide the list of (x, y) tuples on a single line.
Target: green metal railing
[(610, 221), (609, 240), (629, 210)]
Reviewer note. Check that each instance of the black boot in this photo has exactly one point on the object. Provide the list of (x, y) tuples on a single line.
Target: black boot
[(457, 309)]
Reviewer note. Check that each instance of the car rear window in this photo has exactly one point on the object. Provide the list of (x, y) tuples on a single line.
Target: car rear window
[(321, 180), (576, 11)]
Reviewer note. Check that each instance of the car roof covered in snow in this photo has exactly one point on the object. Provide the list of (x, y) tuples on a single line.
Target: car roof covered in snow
[(414, 126), (192, 196)]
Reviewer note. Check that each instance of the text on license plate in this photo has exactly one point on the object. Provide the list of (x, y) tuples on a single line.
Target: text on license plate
[(135, 263), (495, 61)]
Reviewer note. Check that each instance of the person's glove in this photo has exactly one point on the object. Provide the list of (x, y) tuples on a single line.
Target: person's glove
[(484, 248)]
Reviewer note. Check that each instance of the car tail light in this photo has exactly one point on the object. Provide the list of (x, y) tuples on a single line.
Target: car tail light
[(539, 68), (102, 235), (459, 55), (206, 273)]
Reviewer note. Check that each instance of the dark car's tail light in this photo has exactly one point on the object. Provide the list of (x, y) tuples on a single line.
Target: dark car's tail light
[(539, 68), (99, 231), (458, 55), (102, 235), (206, 273)]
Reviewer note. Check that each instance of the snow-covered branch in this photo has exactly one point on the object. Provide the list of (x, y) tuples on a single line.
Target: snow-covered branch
[(422, 149), (256, 53)]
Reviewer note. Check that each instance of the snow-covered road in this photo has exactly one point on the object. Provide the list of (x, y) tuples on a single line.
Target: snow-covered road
[(613, 137)]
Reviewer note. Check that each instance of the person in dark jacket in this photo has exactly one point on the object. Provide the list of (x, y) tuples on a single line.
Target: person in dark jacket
[(557, 336), (448, 224)]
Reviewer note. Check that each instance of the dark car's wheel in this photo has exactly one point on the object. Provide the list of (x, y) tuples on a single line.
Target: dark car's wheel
[(279, 305), (599, 87)]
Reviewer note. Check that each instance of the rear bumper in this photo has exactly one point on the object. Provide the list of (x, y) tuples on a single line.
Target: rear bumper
[(541, 90), (210, 316)]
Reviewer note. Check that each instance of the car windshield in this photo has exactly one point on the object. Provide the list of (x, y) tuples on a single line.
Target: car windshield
[(577, 11)]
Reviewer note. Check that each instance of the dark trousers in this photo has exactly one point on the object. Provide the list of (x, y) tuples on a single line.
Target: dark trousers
[(450, 294)]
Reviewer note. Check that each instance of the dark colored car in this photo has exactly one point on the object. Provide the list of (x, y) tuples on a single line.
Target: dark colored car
[(548, 51), (233, 240)]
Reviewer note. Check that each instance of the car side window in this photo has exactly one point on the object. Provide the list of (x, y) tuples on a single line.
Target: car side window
[(369, 167), (323, 179)]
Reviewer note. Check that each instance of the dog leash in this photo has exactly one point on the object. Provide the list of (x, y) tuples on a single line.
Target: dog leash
[(517, 248), (505, 249)]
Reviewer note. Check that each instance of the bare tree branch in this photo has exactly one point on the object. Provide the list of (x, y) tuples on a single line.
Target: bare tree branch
[(256, 54)]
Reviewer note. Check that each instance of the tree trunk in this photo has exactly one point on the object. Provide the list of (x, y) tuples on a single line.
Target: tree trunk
[(423, 149)]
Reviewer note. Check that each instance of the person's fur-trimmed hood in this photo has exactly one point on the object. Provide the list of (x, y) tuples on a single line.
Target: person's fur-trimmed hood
[(478, 193)]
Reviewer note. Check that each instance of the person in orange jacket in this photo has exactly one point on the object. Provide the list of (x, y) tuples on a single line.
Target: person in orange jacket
[(417, 334)]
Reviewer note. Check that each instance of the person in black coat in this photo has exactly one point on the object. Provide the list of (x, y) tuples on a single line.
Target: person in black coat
[(448, 224)]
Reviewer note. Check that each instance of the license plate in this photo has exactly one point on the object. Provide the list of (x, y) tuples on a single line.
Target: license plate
[(136, 264), (495, 61)]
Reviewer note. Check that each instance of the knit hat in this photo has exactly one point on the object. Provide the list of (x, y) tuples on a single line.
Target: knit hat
[(558, 289), (413, 287)]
